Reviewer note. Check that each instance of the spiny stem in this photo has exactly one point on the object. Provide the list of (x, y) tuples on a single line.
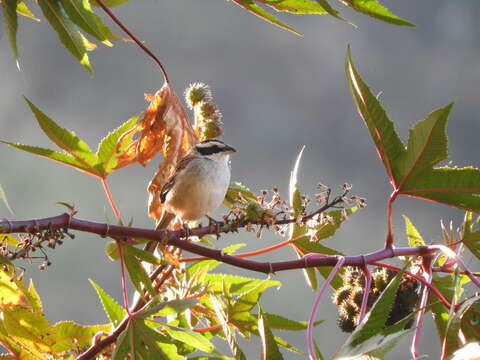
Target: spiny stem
[(134, 38)]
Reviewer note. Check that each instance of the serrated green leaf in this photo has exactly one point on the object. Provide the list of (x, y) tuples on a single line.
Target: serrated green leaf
[(166, 308), (107, 152), (253, 8), (471, 239), (209, 265), (249, 300), (30, 330), (413, 236), (52, 155), (34, 299), (381, 128), (81, 13), (195, 339), (65, 139), (3, 198), (282, 323), (23, 10), (146, 256), (70, 335), (374, 9), (295, 6), (236, 284), (427, 146), (68, 35), (114, 311), (452, 340), (137, 273), (458, 187), (11, 24), (270, 349)]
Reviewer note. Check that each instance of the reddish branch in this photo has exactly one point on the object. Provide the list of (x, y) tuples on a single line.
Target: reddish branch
[(176, 238)]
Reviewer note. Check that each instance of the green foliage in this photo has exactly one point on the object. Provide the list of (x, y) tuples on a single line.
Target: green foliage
[(79, 156), (114, 311), (270, 348), (410, 168), (11, 23)]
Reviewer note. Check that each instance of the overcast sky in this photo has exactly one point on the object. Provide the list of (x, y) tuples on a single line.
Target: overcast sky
[(276, 91)]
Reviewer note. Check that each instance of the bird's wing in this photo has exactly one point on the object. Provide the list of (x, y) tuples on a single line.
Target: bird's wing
[(182, 164)]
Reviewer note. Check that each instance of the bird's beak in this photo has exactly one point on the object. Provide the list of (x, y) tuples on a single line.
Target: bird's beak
[(230, 149)]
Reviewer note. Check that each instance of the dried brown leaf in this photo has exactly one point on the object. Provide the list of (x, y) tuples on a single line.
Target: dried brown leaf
[(164, 129)]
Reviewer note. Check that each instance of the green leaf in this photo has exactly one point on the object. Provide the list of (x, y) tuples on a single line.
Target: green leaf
[(471, 238), (81, 13), (111, 3), (11, 24), (23, 10), (65, 139), (253, 8), (3, 197), (167, 308), (282, 323), (295, 6), (237, 284), (452, 340), (146, 256), (137, 273), (427, 146), (52, 155), (270, 349), (114, 311), (227, 330), (143, 342), (70, 335), (381, 128), (68, 35), (236, 189), (249, 300), (29, 329), (413, 236), (107, 152), (191, 338), (458, 187), (329, 9), (374, 9), (34, 299)]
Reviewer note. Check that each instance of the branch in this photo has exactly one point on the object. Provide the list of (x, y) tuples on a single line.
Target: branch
[(176, 238)]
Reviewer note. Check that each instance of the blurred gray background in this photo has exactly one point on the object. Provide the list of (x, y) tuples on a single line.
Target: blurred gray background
[(277, 92)]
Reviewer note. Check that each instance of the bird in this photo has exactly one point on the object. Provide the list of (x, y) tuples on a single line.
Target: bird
[(198, 185)]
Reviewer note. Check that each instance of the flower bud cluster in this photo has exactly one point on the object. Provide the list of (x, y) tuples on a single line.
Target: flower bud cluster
[(349, 297), (208, 124)]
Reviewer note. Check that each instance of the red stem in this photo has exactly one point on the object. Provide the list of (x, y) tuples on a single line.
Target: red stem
[(134, 38), (389, 239), (106, 188)]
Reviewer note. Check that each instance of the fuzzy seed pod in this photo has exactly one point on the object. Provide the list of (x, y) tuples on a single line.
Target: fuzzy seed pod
[(342, 294), (349, 309), (346, 324), (196, 93), (253, 211), (357, 296), (350, 275)]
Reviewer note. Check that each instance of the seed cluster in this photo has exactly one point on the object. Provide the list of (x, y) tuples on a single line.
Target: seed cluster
[(208, 118), (349, 297)]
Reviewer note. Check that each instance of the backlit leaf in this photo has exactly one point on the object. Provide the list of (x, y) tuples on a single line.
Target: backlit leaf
[(374, 9), (23, 10), (269, 346), (70, 335), (114, 311), (68, 35), (81, 13), (413, 236), (296, 6), (3, 198), (257, 10), (11, 23), (107, 152)]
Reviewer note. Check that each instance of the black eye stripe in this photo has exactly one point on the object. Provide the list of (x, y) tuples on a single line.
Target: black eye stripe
[(213, 149)]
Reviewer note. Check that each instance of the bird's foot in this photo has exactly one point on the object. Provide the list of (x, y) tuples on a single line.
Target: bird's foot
[(214, 226)]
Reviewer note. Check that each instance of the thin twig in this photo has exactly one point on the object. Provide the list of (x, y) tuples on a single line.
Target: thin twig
[(134, 38)]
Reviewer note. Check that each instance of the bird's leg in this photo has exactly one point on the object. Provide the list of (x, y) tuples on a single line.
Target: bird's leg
[(214, 226), (186, 228)]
